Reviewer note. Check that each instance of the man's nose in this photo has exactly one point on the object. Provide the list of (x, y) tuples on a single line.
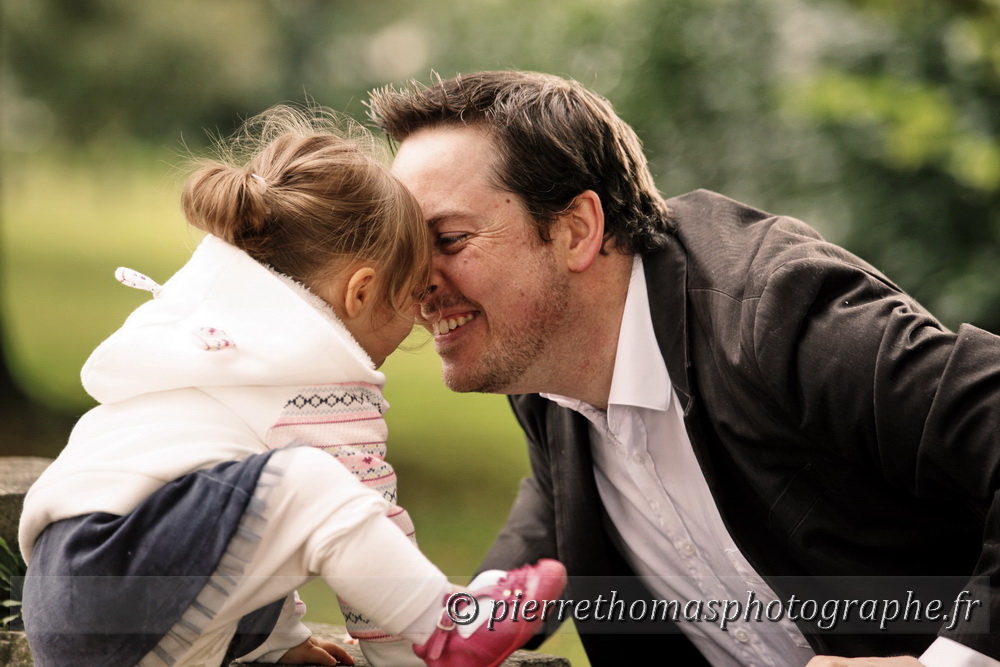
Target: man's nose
[(428, 291), (435, 281)]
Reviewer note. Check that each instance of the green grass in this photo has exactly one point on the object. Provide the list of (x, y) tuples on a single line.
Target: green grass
[(69, 221), (12, 569)]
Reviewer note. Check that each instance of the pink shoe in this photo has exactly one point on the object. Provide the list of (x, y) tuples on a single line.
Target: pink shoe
[(502, 633)]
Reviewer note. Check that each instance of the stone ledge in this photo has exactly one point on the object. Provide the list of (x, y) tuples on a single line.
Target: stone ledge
[(17, 473), (14, 650), (336, 634)]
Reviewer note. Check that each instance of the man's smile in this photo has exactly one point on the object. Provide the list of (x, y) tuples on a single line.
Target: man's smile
[(448, 324)]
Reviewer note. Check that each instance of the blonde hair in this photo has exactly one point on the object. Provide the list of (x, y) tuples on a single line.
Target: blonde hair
[(306, 192)]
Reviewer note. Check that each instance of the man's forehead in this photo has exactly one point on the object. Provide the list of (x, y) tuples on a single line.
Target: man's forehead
[(450, 173), (449, 149)]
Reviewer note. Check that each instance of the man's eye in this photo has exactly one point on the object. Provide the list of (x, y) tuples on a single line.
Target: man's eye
[(450, 242)]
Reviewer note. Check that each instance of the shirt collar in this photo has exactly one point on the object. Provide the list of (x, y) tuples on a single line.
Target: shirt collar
[(640, 376)]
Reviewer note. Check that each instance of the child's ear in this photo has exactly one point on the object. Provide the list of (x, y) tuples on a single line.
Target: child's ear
[(358, 294)]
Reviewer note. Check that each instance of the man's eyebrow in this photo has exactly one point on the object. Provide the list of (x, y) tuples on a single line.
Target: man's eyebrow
[(438, 218)]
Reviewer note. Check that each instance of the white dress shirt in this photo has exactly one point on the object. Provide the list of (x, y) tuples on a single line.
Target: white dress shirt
[(665, 519)]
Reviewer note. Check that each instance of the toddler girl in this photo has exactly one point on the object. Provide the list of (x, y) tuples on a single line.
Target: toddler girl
[(201, 491)]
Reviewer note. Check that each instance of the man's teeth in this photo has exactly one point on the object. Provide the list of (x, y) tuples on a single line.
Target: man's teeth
[(446, 325)]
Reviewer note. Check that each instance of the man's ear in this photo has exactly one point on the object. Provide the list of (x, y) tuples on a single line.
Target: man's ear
[(583, 224), (358, 292)]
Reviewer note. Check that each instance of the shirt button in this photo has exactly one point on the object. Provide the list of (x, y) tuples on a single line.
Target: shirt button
[(687, 547), (742, 635)]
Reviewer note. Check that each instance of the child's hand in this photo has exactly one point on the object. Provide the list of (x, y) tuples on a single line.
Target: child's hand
[(314, 651)]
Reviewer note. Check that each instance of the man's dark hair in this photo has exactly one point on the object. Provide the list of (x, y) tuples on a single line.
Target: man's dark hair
[(555, 139)]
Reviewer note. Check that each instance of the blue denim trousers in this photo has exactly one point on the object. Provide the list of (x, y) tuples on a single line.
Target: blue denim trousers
[(103, 589)]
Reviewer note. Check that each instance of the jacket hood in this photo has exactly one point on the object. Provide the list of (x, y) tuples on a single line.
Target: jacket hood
[(225, 320)]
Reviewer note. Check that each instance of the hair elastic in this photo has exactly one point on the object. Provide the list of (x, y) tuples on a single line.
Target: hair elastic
[(260, 180)]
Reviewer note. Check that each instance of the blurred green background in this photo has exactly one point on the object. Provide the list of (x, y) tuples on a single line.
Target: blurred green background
[(877, 121)]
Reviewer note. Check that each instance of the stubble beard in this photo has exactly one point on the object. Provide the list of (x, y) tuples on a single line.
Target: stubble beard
[(514, 349)]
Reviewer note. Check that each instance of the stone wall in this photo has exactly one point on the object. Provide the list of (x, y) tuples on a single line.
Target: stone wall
[(14, 651), (17, 473)]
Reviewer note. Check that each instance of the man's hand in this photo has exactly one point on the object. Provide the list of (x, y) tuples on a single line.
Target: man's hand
[(831, 661), (315, 651)]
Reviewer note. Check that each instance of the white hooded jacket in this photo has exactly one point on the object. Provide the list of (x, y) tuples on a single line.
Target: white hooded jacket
[(197, 376)]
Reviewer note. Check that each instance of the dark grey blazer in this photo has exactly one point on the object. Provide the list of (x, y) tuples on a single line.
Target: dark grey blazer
[(851, 442)]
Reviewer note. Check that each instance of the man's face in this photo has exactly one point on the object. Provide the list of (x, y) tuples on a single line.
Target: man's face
[(499, 295)]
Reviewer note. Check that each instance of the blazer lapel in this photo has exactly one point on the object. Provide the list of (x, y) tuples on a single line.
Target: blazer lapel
[(666, 284), (574, 485)]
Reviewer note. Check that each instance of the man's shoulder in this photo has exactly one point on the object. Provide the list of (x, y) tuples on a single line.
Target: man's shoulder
[(704, 203), (707, 220), (733, 248)]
